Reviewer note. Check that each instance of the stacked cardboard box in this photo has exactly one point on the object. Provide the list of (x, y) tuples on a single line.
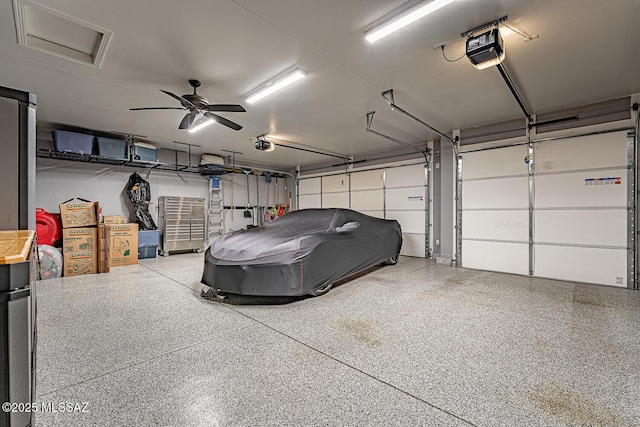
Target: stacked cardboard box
[(80, 237), (114, 219), (123, 244)]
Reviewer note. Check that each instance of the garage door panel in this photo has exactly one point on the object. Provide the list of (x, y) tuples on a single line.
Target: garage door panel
[(575, 189), (589, 265), (495, 163), (310, 201), (372, 200), (410, 221), (502, 193), (413, 245), (335, 183), (585, 152), (335, 200), (411, 198), (496, 225), (375, 214), (496, 256), (405, 176), (309, 186), (367, 180), (581, 227)]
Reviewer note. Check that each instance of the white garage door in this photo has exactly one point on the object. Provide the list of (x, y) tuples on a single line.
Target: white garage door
[(406, 200), (579, 217), (310, 193), (367, 192), (495, 210), (335, 191), (399, 193)]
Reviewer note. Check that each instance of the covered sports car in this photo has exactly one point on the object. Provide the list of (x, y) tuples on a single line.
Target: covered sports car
[(302, 252)]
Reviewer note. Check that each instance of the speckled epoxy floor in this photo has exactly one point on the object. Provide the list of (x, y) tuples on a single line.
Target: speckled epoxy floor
[(413, 344)]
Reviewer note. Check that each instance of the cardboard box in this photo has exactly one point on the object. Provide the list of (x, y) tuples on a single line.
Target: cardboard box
[(114, 219), (103, 249), (79, 239), (78, 263), (79, 214), (123, 244)]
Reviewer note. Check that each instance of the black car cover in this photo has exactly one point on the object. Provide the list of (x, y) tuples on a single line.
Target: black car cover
[(299, 252)]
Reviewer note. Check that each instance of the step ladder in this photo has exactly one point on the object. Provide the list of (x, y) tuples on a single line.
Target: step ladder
[(215, 225)]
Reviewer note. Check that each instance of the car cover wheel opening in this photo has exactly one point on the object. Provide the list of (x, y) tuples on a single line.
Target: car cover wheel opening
[(392, 261), (321, 290)]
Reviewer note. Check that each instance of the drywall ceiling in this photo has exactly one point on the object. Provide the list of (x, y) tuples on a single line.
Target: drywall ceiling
[(586, 52)]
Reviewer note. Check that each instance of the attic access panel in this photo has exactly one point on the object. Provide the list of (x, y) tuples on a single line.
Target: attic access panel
[(58, 34)]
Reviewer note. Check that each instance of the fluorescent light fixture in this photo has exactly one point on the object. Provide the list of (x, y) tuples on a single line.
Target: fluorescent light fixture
[(201, 124), (404, 19), (274, 84)]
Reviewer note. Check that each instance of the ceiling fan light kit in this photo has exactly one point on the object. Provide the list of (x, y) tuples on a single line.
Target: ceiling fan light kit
[(201, 124), (197, 104), (274, 84)]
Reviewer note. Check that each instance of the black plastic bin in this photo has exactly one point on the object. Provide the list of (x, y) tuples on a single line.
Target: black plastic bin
[(72, 142), (147, 251), (111, 147)]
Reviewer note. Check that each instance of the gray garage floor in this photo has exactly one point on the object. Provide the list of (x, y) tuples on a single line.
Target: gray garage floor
[(414, 344)]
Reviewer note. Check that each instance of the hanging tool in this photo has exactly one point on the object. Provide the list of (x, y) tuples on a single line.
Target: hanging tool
[(267, 179), (284, 194), (231, 194), (247, 212)]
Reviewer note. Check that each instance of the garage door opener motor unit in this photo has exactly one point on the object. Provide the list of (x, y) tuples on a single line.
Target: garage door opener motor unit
[(486, 49)]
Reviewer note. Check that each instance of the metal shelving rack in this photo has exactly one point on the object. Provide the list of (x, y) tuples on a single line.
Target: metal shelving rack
[(86, 158)]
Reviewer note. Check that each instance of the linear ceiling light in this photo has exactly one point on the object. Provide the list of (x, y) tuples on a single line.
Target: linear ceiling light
[(274, 84), (201, 124), (404, 19)]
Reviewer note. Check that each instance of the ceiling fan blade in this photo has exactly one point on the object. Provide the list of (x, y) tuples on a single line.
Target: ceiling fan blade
[(185, 102), (187, 120), (157, 108), (234, 108), (223, 121)]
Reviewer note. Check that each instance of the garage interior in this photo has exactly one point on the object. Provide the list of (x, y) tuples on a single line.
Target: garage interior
[(512, 172)]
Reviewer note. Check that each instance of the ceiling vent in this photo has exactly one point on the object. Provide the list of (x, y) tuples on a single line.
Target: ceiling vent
[(58, 34)]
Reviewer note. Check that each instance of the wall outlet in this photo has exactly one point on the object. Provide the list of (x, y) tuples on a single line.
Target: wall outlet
[(437, 242)]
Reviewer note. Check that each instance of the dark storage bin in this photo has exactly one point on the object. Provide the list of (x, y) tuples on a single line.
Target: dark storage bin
[(145, 152), (111, 147), (149, 251), (148, 238), (72, 142)]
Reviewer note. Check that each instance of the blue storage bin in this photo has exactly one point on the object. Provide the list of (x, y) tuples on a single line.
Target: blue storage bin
[(150, 251), (145, 152), (148, 238), (111, 147), (72, 142)]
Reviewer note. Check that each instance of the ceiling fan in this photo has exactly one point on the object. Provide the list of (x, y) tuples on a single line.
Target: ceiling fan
[(196, 104)]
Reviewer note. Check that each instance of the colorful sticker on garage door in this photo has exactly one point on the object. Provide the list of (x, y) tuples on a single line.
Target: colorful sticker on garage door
[(603, 181), (415, 198)]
